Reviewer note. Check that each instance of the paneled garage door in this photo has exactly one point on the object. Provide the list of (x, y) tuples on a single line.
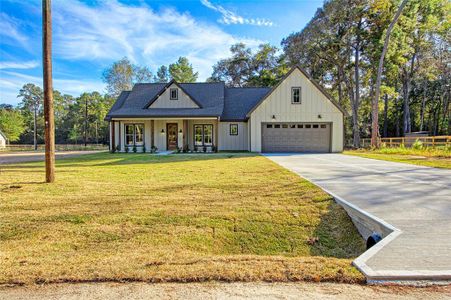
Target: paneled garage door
[(296, 137)]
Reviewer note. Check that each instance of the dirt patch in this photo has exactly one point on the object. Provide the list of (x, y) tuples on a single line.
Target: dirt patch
[(215, 290)]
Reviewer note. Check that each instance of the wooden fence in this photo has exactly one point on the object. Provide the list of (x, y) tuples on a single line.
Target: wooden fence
[(58, 147), (428, 141)]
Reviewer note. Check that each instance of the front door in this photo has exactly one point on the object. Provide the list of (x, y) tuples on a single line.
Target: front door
[(172, 136)]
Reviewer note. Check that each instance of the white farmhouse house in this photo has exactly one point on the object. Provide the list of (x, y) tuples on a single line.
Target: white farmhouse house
[(297, 115)]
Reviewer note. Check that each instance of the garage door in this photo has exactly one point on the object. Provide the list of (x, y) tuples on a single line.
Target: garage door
[(296, 137)]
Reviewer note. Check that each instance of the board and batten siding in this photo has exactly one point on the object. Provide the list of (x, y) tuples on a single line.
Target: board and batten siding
[(164, 101), (313, 103), (233, 142)]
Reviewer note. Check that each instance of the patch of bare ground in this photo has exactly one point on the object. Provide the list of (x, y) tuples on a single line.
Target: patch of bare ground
[(216, 290)]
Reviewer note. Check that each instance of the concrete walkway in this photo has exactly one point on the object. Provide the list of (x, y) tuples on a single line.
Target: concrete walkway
[(415, 200)]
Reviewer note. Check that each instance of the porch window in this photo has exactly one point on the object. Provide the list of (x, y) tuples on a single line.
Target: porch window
[(203, 135), (134, 134)]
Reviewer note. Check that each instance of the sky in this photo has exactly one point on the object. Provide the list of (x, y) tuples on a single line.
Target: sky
[(88, 36)]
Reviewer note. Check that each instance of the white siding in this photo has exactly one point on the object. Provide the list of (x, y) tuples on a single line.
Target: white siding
[(184, 101), (314, 103), (233, 142)]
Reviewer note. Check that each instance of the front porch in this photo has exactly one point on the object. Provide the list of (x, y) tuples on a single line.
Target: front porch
[(172, 134)]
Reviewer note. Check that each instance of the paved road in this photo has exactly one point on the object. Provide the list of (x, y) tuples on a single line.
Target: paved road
[(19, 157), (414, 199)]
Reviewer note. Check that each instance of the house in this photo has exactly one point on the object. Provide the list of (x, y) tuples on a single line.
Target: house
[(296, 115), (2, 140)]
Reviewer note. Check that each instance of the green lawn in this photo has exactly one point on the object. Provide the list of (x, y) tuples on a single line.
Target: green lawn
[(119, 217), (429, 157)]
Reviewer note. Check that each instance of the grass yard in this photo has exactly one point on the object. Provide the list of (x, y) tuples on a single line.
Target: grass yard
[(126, 217), (429, 157)]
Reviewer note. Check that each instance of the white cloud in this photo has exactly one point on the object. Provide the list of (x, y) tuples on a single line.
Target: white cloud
[(112, 30), (19, 65), (10, 30), (229, 17), (12, 82)]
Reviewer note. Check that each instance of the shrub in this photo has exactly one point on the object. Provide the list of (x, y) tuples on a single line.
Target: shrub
[(118, 148), (126, 149), (144, 148), (417, 145), (134, 149)]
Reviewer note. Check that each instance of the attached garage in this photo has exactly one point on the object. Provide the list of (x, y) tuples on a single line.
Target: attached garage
[(296, 137)]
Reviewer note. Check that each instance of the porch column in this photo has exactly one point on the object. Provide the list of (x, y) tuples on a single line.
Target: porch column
[(152, 134), (113, 133), (185, 134), (217, 135)]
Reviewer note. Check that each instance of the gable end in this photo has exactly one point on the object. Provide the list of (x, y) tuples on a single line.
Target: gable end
[(316, 84)]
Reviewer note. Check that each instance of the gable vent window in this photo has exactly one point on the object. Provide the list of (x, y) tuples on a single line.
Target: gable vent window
[(296, 95), (174, 94)]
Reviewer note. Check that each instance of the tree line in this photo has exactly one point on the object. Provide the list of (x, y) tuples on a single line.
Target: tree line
[(80, 119), (340, 48)]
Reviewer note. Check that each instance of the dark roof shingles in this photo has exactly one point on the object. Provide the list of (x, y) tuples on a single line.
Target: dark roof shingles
[(239, 101)]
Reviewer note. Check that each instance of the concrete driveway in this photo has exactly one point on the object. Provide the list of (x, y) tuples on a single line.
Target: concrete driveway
[(415, 200)]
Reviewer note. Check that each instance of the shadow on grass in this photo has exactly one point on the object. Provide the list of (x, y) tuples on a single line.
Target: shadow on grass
[(336, 235), (110, 159)]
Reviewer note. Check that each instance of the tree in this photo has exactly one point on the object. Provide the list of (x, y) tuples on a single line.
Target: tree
[(12, 123), (182, 71), (162, 75), (375, 104), (32, 99), (244, 68), (122, 75)]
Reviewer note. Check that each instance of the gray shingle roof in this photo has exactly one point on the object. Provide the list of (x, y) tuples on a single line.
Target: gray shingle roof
[(209, 95), (215, 99), (239, 101)]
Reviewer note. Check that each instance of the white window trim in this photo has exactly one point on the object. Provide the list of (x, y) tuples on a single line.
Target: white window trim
[(134, 134), (176, 93), (292, 94)]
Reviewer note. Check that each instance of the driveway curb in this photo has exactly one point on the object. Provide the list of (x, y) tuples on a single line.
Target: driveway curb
[(389, 234)]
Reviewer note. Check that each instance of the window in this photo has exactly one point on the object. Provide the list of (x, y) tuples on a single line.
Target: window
[(300, 126), (284, 125), (277, 126), (134, 134), (233, 129), (296, 95), (293, 126), (173, 94), (308, 126), (203, 135), (323, 126), (268, 125), (315, 126)]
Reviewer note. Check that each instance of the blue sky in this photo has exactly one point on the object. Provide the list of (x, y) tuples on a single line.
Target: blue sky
[(89, 35)]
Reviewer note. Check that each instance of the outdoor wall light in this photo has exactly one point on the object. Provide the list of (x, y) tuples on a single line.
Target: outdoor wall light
[(180, 131), (273, 117), (319, 116), (162, 131)]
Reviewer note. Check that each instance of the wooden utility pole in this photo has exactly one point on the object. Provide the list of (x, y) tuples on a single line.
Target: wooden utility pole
[(48, 92), (375, 102), (86, 121)]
